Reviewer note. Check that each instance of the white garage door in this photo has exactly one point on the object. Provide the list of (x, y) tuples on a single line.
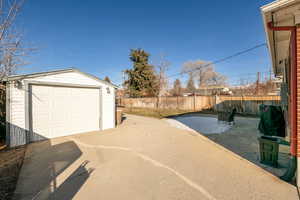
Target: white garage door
[(60, 111)]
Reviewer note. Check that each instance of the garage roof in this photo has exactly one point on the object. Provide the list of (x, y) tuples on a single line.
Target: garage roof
[(281, 13), (33, 75)]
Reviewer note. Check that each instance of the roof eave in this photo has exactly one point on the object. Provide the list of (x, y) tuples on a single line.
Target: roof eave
[(273, 6), (38, 74), (19, 77), (268, 10), (270, 43)]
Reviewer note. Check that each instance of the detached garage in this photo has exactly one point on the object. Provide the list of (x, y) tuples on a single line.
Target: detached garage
[(58, 103)]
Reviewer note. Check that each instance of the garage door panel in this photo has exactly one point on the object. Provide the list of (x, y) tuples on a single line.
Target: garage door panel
[(60, 111), (40, 100)]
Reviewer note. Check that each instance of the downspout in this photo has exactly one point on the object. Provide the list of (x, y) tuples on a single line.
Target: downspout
[(290, 173)]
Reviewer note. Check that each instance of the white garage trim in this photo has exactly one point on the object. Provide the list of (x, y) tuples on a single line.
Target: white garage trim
[(28, 103), (41, 74)]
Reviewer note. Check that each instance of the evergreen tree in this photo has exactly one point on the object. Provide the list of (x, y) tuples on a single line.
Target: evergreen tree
[(107, 79), (177, 89), (142, 80), (190, 84)]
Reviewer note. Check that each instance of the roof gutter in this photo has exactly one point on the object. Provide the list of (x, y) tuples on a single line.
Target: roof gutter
[(39, 74), (290, 173)]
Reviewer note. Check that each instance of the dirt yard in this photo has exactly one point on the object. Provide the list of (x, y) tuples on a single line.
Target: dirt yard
[(10, 165)]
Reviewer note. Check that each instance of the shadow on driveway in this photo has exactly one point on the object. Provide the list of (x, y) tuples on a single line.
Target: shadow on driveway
[(43, 164)]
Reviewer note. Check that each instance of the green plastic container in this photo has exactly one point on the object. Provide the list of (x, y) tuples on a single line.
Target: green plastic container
[(268, 151)]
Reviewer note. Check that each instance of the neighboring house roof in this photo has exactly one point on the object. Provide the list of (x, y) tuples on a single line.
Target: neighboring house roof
[(212, 87), (280, 13), (38, 74)]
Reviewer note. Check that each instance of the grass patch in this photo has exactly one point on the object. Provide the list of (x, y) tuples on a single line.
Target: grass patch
[(156, 113), (165, 113)]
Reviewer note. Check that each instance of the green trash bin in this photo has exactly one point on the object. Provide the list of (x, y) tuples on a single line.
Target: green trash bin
[(268, 151)]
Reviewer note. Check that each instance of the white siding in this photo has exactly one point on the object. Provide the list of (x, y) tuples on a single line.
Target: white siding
[(108, 107), (17, 106), (69, 77), (16, 118), (17, 97)]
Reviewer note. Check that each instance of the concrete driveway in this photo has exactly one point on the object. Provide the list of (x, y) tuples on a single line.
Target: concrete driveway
[(144, 158)]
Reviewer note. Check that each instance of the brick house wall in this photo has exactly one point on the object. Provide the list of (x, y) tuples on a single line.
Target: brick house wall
[(297, 122)]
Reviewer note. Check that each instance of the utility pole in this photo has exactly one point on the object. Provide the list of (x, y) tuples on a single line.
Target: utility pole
[(242, 86), (123, 77), (257, 83)]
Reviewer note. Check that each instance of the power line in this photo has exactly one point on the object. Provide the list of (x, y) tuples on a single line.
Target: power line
[(223, 59), (263, 73)]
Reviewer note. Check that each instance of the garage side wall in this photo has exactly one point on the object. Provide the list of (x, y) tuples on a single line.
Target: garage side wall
[(108, 107), (16, 119), (17, 103)]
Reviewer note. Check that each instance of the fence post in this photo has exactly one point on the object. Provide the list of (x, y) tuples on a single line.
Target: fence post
[(166, 102), (243, 106), (194, 101), (216, 106)]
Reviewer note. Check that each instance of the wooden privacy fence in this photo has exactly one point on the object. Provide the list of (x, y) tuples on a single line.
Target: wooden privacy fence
[(243, 104)]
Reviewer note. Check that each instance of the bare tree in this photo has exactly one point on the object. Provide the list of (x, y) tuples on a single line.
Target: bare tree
[(162, 66), (196, 69), (212, 77), (12, 51), (203, 72)]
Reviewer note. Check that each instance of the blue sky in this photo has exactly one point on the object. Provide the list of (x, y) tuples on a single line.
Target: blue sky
[(95, 36)]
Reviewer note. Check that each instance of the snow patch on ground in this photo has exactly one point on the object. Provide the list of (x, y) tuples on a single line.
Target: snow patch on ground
[(204, 125), (177, 124)]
